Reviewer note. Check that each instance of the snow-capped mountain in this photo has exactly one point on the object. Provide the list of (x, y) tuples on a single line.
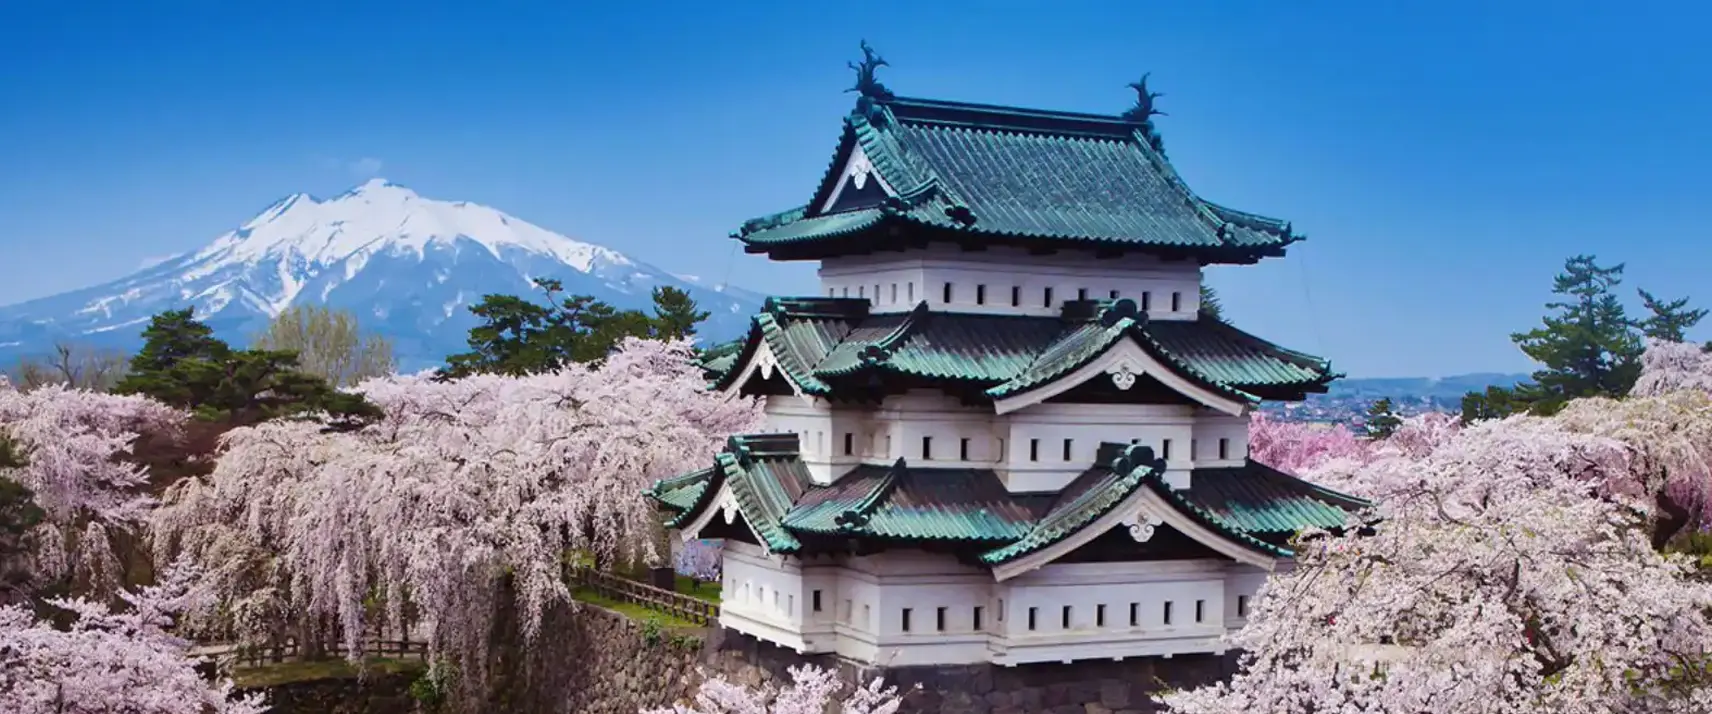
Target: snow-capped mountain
[(409, 267)]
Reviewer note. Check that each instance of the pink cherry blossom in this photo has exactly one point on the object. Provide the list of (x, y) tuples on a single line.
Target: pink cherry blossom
[(813, 690), (464, 487), (75, 445), (110, 661), (701, 559), (1512, 573)]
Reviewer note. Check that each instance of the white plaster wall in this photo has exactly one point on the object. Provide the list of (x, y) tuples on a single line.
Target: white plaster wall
[(863, 602), (896, 281), (1025, 447), (1210, 428)]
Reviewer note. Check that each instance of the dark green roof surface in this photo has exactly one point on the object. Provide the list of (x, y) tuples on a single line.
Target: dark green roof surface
[(824, 342), (1001, 174), (1252, 505)]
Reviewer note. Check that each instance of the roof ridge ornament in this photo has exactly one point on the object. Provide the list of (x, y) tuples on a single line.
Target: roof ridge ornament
[(866, 83), (1144, 111)]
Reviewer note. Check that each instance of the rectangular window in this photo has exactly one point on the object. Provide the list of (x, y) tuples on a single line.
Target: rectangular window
[(848, 611), (1033, 449), (1067, 444), (1192, 449), (977, 618), (1046, 297), (790, 604), (1200, 610), (1224, 449), (832, 292), (868, 616), (845, 291), (816, 600), (1099, 615), (980, 294), (849, 443), (1167, 612), (861, 291), (1165, 449), (1135, 614), (927, 448), (1016, 295), (906, 619), (1146, 300), (1001, 610), (1242, 606), (1176, 301), (939, 619), (1064, 617), (947, 297), (1114, 295), (1031, 613), (894, 292), (876, 292), (1081, 293), (963, 449), (1001, 450), (910, 288), (775, 599)]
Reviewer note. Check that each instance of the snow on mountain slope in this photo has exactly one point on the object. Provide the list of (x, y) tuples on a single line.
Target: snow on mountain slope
[(408, 266)]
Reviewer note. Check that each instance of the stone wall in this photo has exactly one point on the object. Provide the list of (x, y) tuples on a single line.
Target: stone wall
[(613, 665)]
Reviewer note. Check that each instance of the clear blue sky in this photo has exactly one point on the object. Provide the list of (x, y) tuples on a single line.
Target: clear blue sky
[(1443, 158)]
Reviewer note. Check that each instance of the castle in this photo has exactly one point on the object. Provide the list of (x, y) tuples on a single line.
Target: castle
[(1007, 433)]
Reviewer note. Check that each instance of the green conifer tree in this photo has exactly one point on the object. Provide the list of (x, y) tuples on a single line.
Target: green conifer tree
[(1382, 420)]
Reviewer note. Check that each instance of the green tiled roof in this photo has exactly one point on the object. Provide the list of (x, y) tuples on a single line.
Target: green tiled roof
[(1252, 505), (822, 343), (1262, 500), (1002, 174), (1117, 473), (900, 502)]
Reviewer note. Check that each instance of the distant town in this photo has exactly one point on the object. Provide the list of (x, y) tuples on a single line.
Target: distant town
[(1348, 400)]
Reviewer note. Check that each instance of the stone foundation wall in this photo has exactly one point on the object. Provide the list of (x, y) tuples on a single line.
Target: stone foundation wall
[(1088, 687)]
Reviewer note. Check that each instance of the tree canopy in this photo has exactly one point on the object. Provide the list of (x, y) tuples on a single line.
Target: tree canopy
[(518, 337), (182, 364), (329, 344), (1588, 346)]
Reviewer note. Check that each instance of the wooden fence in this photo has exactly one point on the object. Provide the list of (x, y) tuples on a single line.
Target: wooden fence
[(665, 602), (257, 655)]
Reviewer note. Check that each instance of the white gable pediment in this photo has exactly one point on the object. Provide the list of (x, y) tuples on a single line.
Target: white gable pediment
[(1123, 363), (765, 364), (856, 173), (1140, 514)]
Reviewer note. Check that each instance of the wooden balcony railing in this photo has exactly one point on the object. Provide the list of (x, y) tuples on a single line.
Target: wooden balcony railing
[(665, 602)]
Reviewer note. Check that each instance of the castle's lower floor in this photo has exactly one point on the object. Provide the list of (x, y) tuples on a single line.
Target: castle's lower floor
[(911, 608)]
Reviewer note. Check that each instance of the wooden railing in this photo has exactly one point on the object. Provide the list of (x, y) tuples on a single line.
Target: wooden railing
[(665, 602), (257, 655)]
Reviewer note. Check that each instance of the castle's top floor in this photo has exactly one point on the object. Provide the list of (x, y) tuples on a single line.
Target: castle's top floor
[(910, 173)]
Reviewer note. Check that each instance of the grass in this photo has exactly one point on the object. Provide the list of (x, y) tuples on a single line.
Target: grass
[(631, 610), (705, 591), (274, 675)]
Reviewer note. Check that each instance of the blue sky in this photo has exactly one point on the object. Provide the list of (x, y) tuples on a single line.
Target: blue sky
[(1443, 158)]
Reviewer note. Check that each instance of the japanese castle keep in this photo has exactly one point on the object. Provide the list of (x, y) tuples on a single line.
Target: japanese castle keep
[(1004, 432)]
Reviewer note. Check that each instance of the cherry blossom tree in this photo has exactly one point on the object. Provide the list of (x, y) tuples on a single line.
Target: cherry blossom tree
[(700, 559), (1672, 367), (468, 493), (108, 661), (813, 690), (74, 453), (1512, 573)]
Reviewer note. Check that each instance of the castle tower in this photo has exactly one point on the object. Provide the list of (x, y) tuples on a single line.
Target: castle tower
[(1005, 433)]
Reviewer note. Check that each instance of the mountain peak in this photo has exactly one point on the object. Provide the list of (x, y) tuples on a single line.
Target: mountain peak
[(378, 185)]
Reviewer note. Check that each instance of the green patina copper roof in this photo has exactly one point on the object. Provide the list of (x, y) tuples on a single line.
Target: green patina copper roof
[(1254, 506), (1118, 471), (1261, 500), (822, 343), (900, 502), (1002, 174)]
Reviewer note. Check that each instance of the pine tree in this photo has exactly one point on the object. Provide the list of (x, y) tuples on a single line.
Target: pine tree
[(1589, 347), (1382, 421), (675, 314), (519, 337), (1669, 320), (184, 365), (1210, 306)]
